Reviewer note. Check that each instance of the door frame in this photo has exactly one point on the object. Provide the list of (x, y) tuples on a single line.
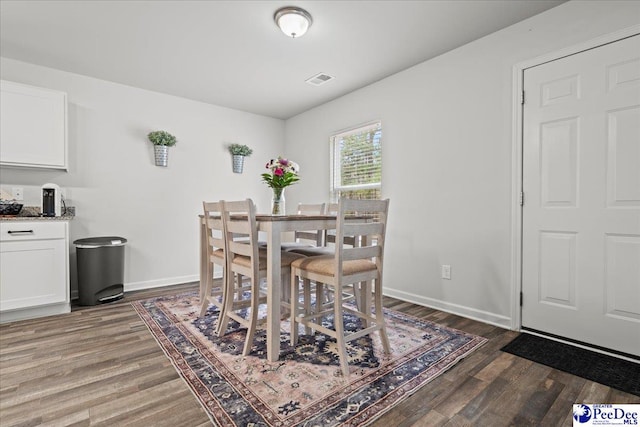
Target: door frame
[(517, 158)]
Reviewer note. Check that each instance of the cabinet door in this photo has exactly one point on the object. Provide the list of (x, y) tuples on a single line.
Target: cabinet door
[(33, 126), (33, 273)]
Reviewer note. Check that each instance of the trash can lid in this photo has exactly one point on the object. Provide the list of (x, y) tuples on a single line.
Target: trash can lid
[(98, 242)]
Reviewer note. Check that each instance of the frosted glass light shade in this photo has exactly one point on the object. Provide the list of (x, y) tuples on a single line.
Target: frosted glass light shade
[(293, 21)]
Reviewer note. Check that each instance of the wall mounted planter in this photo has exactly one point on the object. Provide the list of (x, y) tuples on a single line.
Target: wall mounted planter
[(161, 141), (238, 153), (238, 163), (161, 155)]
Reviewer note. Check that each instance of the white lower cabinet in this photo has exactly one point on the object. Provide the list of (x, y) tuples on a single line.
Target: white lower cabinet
[(34, 269)]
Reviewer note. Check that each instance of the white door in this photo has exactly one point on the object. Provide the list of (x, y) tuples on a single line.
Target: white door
[(581, 183)]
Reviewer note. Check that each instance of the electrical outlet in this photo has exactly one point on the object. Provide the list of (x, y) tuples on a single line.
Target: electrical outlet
[(18, 193), (446, 271)]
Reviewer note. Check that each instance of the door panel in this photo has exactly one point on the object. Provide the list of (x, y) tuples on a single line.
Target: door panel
[(581, 179), (623, 166), (557, 268), (623, 276), (558, 162)]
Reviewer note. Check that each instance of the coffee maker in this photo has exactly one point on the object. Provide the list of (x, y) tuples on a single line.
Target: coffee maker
[(51, 200)]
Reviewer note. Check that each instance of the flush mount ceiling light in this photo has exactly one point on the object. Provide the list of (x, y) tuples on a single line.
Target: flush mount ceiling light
[(293, 21)]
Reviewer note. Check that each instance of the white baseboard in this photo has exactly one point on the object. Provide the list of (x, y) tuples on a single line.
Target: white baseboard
[(34, 312), (150, 284), (460, 310)]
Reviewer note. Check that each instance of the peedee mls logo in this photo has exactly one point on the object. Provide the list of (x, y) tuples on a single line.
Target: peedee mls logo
[(605, 415), (581, 413)]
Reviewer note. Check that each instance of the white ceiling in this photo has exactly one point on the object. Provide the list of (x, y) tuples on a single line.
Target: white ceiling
[(231, 53)]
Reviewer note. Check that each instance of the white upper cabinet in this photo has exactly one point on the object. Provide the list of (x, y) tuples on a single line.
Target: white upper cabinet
[(33, 127)]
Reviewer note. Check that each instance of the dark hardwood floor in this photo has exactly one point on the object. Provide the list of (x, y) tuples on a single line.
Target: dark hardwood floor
[(100, 366)]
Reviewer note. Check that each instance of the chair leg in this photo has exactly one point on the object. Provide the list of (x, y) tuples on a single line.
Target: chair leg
[(223, 296), (205, 291), (380, 319), (319, 296), (253, 317), (320, 299), (306, 289), (227, 304), (295, 301), (365, 301), (384, 338), (339, 327), (286, 294)]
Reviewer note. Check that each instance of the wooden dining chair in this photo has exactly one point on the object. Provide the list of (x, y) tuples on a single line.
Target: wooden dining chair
[(307, 239), (330, 236), (215, 256), (348, 270), (245, 259)]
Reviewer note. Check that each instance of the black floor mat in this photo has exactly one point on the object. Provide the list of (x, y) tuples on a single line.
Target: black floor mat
[(608, 370)]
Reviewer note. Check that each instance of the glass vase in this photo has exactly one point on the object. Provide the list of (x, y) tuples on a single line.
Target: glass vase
[(278, 202)]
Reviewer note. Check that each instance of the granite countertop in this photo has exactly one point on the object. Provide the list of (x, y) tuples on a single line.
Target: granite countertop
[(32, 213)]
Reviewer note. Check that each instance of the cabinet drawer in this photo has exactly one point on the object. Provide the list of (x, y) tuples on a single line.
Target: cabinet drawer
[(32, 230)]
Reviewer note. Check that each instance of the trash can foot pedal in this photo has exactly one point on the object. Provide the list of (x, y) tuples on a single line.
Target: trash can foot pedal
[(111, 298)]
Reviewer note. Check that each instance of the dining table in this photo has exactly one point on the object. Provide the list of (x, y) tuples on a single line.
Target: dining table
[(273, 226)]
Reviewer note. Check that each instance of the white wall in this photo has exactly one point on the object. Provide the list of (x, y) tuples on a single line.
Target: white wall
[(115, 185), (447, 129), (447, 157)]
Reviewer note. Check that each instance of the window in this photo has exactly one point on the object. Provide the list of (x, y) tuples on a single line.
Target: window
[(357, 163)]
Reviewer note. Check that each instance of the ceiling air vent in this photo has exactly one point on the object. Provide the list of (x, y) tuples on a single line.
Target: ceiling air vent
[(319, 79)]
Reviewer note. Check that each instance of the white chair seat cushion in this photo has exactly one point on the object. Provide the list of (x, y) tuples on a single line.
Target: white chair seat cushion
[(325, 265)]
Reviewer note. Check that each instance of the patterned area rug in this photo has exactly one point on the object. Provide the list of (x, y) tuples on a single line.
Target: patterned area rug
[(305, 387)]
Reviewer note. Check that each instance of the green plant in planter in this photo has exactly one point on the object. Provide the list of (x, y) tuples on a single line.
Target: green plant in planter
[(161, 137), (240, 150)]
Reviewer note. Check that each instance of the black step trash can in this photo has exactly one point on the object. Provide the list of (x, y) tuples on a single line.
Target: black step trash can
[(100, 263)]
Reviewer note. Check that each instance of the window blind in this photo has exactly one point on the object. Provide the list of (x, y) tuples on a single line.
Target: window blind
[(357, 163)]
